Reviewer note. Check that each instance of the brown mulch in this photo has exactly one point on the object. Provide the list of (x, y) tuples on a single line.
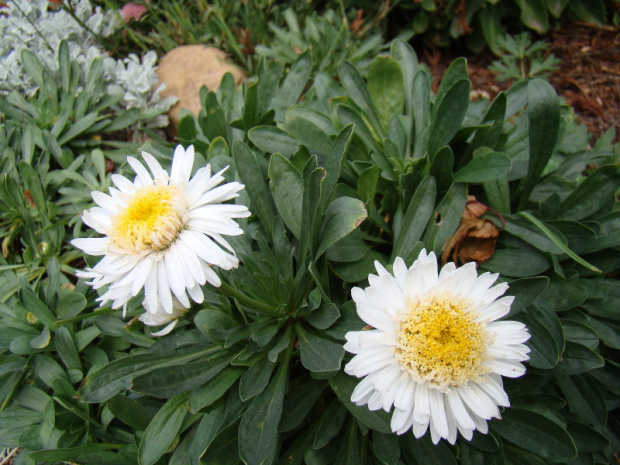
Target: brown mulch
[(588, 78)]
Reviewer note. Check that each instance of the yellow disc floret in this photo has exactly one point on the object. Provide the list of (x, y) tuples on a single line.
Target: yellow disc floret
[(441, 343), (152, 220)]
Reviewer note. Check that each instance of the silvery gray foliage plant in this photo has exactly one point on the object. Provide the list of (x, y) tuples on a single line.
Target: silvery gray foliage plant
[(32, 25)]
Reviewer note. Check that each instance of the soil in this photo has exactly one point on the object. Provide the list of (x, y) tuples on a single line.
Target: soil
[(588, 77)]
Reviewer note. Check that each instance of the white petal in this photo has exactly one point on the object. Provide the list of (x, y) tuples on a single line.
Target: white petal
[(439, 421), (143, 178), (182, 163), (158, 172), (369, 313), (92, 245)]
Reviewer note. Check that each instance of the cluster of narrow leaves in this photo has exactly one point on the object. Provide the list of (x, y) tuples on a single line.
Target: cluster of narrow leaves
[(338, 173)]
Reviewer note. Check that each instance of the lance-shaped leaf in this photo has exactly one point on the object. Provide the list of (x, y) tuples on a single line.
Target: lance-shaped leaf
[(385, 85), (162, 431), (117, 375), (342, 216), (258, 431), (287, 187), (544, 122), (416, 218), (250, 174)]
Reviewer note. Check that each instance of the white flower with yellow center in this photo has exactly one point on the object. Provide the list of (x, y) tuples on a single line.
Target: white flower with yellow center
[(162, 232), (436, 353)]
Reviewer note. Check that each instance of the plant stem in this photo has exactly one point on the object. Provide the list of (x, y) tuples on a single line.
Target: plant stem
[(74, 319), (260, 307)]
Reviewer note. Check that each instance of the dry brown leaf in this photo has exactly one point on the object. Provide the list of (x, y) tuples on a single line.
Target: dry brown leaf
[(474, 239)]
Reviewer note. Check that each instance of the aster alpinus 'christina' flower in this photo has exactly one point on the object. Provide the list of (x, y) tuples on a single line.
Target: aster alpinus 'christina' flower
[(162, 232), (436, 353)]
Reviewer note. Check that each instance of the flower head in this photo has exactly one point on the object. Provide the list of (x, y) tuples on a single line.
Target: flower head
[(162, 233), (436, 353)]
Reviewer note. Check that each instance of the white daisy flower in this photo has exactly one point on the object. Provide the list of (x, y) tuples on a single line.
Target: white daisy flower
[(162, 232), (436, 353)]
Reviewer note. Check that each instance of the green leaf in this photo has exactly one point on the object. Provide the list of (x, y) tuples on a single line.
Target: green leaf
[(308, 133), (33, 67), (33, 182), (116, 376), (330, 424), (424, 451), (336, 156), (586, 438), (79, 127), (356, 89), (404, 54), (287, 188), (250, 174), (584, 398), (213, 123), (208, 428), (324, 316), (492, 30), (66, 349), (162, 431), (485, 166), (273, 140), (298, 403), (130, 412), (214, 389), (577, 359), (172, 380), (456, 72), (343, 215), (35, 306), (445, 219), (385, 448), (564, 295), (367, 183), (419, 212), (91, 453), (317, 353), (124, 120), (534, 15), (518, 263), (537, 434), (490, 132), (526, 291), (343, 386), (293, 85), (42, 340), (543, 124), (349, 449), (385, 86), (258, 431), (64, 65), (214, 323), (557, 241), (442, 168), (254, 381), (449, 115), (591, 195), (70, 304), (577, 331), (545, 351), (591, 11)]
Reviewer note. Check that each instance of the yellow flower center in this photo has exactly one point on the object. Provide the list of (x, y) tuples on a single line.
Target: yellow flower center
[(152, 220), (440, 343)]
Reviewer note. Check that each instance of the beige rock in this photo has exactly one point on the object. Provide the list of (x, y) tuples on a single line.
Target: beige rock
[(186, 69)]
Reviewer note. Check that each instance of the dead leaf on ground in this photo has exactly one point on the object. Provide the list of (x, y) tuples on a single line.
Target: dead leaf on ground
[(474, 239)]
